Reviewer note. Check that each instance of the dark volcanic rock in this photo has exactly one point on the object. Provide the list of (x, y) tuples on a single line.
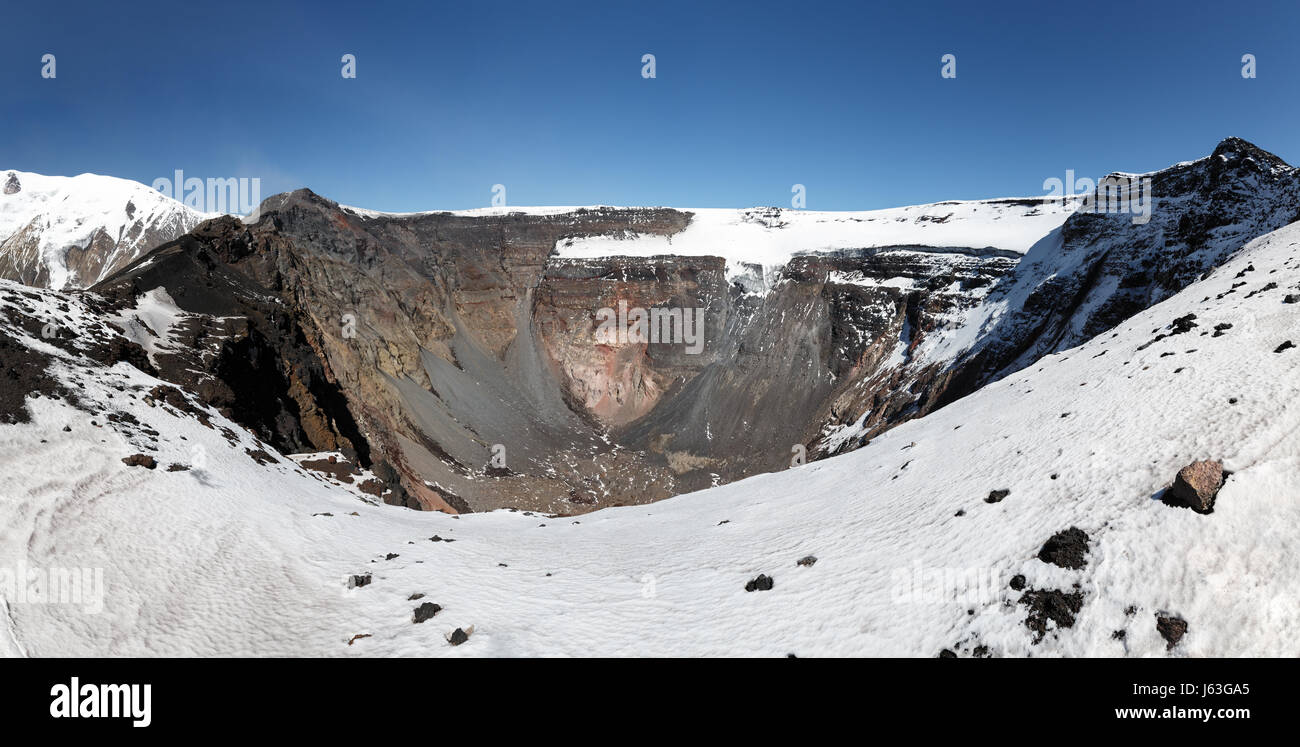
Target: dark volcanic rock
[(260, 456), (1171, 628), (22, 373), (425, 611), (762, 583), (119, 350), (996, 496), (457, 637), (1067, 548), (1054, 605), (1196, 486)]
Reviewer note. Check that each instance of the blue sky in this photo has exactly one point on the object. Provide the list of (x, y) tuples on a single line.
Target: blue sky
[(547, 98)]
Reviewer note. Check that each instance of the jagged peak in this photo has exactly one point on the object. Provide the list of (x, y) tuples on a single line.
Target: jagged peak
[(1235, 149), (298, 197)]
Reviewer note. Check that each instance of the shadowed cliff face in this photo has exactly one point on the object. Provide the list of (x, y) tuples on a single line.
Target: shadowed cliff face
[(466, 362), (473, 365), (408, 342)]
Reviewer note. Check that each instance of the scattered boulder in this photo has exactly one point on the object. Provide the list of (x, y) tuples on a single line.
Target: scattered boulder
[(178, 468), (1182, 324), (1052, 605), (947, 654), (1171, 628), (762, 583), (140, 460), (459, 636), (807, 561), (1196, 486), (997, 495), (1066, 549), (359, 580), (424, 612), (1284, 346), (1017, 582)]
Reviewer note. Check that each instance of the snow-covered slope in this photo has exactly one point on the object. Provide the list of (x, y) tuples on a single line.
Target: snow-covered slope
[(769, 237), (59, 231), (243, 555)]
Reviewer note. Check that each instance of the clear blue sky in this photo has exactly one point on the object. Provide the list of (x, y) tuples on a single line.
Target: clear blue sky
[(548, 99)]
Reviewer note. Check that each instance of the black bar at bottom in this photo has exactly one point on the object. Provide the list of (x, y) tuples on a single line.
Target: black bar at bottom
[(1070, 698)]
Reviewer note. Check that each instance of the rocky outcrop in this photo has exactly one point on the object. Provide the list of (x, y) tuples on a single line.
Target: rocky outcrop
[(1101, 268)]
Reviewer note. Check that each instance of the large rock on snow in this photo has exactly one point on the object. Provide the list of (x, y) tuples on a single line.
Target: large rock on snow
[(140, 460), (1067, 549), (1171, 628), (1196, 486)]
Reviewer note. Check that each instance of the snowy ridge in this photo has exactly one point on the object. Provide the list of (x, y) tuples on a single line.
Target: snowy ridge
[(238, 557), (769, 237), (41, 217)]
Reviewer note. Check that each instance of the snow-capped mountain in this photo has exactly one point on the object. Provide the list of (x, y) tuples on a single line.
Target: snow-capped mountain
[(1025, 519), (71, 232)]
